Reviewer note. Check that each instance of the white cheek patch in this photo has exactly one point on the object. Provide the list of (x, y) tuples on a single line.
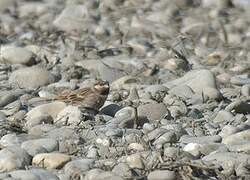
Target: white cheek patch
[(106, 86)]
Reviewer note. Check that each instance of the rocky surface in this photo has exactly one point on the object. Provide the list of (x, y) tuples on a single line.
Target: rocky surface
[(179, 101)]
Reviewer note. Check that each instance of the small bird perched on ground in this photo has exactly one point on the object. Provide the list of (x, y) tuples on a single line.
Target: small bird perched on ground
[(91, 98)]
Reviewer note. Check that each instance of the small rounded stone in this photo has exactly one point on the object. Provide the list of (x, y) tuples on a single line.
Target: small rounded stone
[(37, 77), (245, 90), (50, 160), (161, 175), (135, 161)]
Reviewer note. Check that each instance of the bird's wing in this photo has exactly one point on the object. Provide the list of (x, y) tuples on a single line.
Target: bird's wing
[(74, 97)]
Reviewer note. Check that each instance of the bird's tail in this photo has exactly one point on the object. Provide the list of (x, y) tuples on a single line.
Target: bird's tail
[(39, 101)]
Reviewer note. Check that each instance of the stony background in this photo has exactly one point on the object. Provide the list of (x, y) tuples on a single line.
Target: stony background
[(182, 65)]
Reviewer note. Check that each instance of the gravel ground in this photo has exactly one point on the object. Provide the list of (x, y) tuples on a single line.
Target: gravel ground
[(179, 100)]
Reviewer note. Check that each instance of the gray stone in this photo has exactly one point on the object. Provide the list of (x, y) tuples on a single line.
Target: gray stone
[(242, 170), (35, 8), (31, 77), (212, 128), (6, 4), (77, 168), (206, 149), (62, 133), (2, 116), (245, 90), (135, 161), (195, 114), (241, 3), (136, 147), (200, 81), (73, 18), (155, 133), (41, 129), (16, 55), (176, 110), (130, 138), (122, 169), (12, 140), (51, 109), (139, 46), (237, 138), (114, 68), (103, 117), (227, 159), (202, 149), (215, 4), (223, 78), (161, 175), (90, 65), (239, 106), (103, 141), (67, 137), (177, 153), (126, 112), (109, 74), (50, 160), (37, 146), (154, 89), (7, 98), (43, 174), (147, 127), (110, 109), (133, 95), (92, 153), (172, 152), (182, 91), (223, 116), (200, 140), (33, 174), (228, 130), (43, 119), (91, 174), (125, 119), (193, 148), (20, 115), (153, 111), (107, 176), (12, 108), (71, 115), (176, 127), (240, 79), (244, 147), (168, 137), (22, 175), (114, 132), (125, 82), (243, 126), (173, 64), (13, 157)]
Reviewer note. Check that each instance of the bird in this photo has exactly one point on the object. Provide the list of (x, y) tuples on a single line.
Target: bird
[(88, 99), (92, 98)]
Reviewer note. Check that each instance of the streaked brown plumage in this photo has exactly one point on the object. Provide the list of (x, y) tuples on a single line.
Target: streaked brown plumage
[(90, 97)]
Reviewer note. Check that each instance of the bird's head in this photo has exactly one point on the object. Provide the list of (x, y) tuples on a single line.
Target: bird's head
[(102, 87)]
